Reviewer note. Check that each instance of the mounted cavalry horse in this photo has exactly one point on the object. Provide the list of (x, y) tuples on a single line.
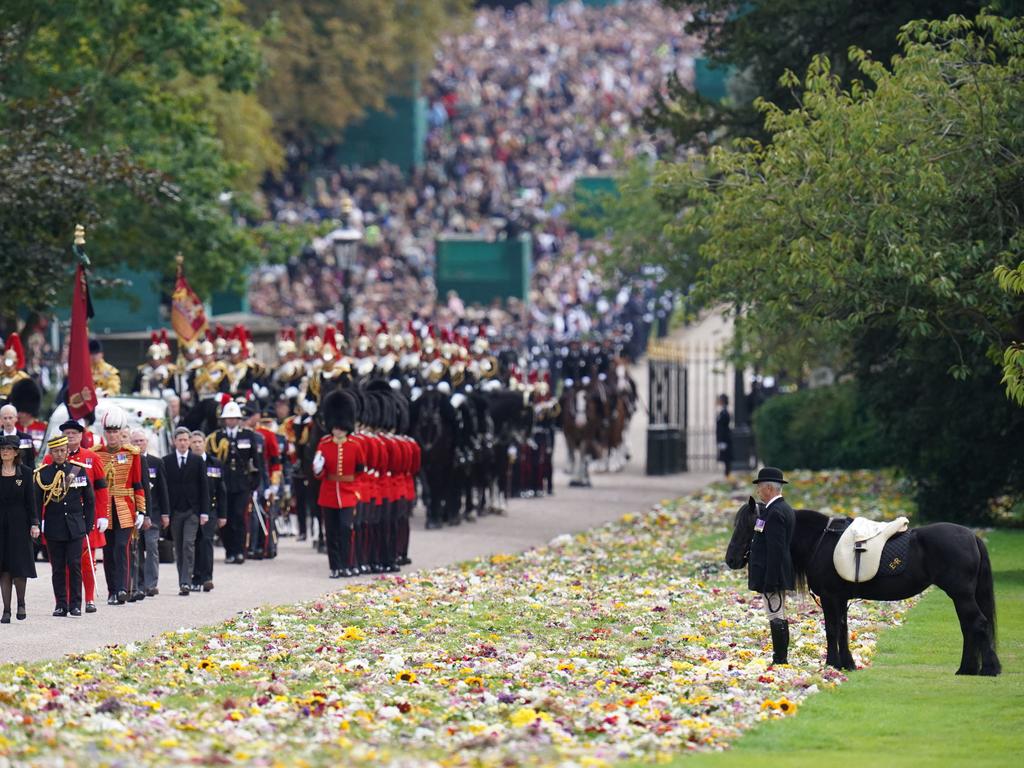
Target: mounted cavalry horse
[(949, 556)]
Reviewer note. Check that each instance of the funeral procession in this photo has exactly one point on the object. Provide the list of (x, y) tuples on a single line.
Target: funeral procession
[(500, 383)]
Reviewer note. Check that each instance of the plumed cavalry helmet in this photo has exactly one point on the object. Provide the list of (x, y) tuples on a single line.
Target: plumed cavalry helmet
[(286, 343), (339, 411)]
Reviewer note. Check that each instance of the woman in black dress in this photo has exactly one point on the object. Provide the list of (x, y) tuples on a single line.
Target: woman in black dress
[(19, 524)]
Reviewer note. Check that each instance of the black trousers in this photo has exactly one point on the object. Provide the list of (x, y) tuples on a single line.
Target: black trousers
[(300, 493), (202, 568), (118, 558), (339, 530), (66, 563), (233, 533)]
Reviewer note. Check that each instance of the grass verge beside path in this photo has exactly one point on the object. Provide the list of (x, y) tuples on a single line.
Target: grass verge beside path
[(909, 708)]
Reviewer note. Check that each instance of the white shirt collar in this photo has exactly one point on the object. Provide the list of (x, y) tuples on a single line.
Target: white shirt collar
[(773, 500), (182, 456)]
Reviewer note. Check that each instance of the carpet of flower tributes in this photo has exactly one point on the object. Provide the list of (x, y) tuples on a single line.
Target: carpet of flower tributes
[(630, 641)]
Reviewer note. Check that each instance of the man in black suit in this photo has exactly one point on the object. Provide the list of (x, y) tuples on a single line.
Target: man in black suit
[(723, 433), (240, 453), (216, 517), (154, 482), (770, 569), (9, 427), (65, 495), (189, 504)]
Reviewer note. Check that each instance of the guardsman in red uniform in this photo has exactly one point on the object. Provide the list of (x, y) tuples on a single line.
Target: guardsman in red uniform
[(337, 460), (96, 473), (363, 484), (393, 495), (407, 495), (127, 503), (27, 398)]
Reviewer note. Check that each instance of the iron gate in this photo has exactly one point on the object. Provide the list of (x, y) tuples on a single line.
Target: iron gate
[(666, 397), (684, 383)]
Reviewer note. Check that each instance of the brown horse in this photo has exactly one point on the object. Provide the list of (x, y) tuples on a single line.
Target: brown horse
[(582, 415)]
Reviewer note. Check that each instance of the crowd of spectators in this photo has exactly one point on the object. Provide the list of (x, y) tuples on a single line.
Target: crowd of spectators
[(520, 106)]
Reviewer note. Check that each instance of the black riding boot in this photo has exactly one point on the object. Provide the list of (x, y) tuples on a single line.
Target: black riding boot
[(780, 640)]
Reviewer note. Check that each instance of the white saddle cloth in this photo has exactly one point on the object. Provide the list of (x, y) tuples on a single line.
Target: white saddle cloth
[(869, 537)]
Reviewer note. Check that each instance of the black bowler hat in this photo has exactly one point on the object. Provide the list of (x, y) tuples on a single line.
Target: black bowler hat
[(72, 424), (770, 475)]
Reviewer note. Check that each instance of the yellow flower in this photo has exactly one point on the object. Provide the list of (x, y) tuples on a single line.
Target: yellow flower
[(156, 706), (352, 633), (237, 665), (207, 663), (785, 706), (527, 716), (405, 676), (474, 682), (566, 666), (235, 715), (769, 704), (168, 743)]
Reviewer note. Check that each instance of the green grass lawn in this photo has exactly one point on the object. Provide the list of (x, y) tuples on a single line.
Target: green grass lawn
[(909, 708)]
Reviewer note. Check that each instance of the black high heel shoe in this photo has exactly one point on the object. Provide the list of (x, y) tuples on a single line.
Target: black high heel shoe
[(21, 613)]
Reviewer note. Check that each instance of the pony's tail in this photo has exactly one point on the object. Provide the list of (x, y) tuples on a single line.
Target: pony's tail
[(984, 594)]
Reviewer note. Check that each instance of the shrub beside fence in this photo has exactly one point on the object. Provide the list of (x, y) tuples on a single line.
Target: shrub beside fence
[(824, 428)]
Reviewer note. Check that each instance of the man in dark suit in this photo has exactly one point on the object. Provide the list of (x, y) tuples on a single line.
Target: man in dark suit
[(155, 483), (771, 564), (216, 517), (9, 427), (189, 504), (723, 433), (240, 453), (65, 495)]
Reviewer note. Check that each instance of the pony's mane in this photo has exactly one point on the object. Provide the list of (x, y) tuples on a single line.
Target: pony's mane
[(814, 520)]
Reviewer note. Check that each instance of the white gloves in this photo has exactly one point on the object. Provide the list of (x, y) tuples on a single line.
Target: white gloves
[(139, 518), (204, 519), (270, 492), (101, 524), (309, 406), (318, 463)]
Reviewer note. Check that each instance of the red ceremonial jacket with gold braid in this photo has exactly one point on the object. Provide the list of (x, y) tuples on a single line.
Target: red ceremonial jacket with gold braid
[(124, 482)]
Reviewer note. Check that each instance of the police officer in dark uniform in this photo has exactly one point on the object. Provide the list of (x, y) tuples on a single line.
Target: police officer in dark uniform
[(65, 495), (239, 451), (771, 565)]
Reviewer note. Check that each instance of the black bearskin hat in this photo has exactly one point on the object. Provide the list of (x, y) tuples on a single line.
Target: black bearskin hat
[(339, 411), (27, 396)]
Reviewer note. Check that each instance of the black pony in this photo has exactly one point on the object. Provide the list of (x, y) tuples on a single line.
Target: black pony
[(944, 554)]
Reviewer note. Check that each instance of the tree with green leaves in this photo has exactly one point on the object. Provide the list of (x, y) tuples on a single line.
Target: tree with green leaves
[(870, 226), (759, 40), (332, 60), (115, 85)]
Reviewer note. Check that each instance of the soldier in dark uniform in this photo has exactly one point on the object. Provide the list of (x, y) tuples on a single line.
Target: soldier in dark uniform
[(154, 481), (240, 453), (65, 495), (215, 517), (771, 565)]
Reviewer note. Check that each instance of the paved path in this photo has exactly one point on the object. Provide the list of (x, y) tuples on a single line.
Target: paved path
[(299, 573)]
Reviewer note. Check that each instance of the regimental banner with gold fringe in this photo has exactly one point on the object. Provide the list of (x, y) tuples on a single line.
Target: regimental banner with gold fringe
[(81, 388), (188, 317)]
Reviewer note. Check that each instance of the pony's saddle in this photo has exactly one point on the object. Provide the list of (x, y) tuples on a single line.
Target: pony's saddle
[(859, 550)]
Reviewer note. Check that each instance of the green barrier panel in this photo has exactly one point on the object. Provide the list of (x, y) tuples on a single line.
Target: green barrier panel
[(397, 134), (482, 271)]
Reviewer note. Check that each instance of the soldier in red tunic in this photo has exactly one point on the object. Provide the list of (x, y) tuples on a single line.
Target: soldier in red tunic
[(127, 504), (337, 460)]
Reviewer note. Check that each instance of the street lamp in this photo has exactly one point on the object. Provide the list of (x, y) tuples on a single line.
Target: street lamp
[(345, 240)]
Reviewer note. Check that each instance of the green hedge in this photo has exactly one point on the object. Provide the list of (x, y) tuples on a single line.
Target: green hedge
[(821, 428)]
